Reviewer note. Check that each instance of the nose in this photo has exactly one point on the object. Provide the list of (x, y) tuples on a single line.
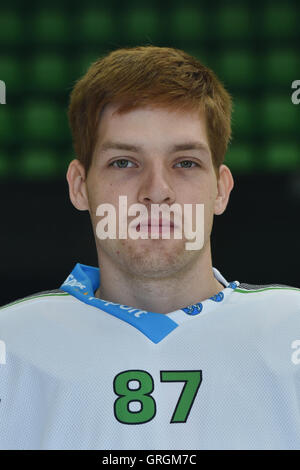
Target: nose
[(156, 187)]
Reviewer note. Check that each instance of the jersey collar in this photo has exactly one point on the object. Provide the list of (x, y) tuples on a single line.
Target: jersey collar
[(84, 280)]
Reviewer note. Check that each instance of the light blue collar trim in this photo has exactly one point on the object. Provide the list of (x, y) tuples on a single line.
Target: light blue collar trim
[(84, 280)]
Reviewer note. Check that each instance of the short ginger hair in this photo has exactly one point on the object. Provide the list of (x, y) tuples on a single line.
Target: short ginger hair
[(148, 75)]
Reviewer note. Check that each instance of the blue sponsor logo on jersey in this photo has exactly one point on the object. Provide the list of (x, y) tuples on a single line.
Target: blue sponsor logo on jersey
[(193, 309), (233, 285), (218, 297)]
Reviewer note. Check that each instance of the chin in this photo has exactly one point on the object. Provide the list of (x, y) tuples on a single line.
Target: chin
[(152, 263)]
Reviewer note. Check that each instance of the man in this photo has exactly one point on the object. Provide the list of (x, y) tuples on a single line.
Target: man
[(153, 349)]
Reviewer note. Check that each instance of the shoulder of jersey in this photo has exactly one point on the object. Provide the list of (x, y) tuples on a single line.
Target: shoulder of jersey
[(269, 291), (260, 287), (46, 295)]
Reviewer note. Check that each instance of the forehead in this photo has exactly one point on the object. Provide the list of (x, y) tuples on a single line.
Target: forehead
[(152, 120)]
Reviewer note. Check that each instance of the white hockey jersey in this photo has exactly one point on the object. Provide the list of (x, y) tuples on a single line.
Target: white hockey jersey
[(77, 372)]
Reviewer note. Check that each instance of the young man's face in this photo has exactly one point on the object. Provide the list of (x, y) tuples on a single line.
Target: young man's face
[(153, 174)]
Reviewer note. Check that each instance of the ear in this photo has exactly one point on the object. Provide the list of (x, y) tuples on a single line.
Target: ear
[(225, 184), (77, 185)]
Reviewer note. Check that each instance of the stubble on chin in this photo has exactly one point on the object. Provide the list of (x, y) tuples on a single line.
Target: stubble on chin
[(156, 259)]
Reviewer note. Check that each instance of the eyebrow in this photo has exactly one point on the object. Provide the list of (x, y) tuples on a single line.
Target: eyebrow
[(110, 145)]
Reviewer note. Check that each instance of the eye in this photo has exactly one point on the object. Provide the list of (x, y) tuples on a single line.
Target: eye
[(121, 163), (187, 161)]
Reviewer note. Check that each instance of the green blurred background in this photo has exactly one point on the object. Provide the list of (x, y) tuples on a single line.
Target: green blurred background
[(254, 48)]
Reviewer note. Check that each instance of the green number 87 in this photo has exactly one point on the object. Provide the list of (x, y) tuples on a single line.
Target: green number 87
[(142, 395)]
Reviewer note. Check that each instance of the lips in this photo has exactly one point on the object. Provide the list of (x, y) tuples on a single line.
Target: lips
[(156, 223)]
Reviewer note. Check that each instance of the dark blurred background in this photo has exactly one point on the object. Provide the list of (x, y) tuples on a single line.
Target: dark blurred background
[(253, 46)]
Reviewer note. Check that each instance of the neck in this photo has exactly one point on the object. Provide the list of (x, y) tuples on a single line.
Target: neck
[(161, 295)]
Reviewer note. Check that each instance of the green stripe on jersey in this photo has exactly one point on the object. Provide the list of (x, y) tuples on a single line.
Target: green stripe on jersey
[(263, 289), (33, 297)]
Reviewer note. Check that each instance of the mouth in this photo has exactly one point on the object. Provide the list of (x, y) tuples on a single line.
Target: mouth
[(155, 225)]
